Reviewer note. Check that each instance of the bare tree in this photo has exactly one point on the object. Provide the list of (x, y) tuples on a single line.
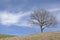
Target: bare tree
[(42, 18)]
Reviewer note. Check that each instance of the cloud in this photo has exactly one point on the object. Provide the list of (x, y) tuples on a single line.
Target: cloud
[(58, 17), (56, 13), (7, 18), (54, 9), (20, 18), (25, 5)]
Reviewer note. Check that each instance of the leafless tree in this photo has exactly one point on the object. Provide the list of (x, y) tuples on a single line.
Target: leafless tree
[(42, 18)]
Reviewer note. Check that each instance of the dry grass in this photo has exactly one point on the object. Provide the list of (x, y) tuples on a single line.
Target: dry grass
[(39, 36)]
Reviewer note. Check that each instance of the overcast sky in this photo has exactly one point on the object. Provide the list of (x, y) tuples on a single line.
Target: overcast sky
[(15, 13)]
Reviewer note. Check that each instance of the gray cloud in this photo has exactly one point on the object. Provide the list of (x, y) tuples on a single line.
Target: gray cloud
[(26, 5)]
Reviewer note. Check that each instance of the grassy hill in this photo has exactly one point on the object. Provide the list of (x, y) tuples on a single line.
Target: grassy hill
[(5, 35), (39, 36)]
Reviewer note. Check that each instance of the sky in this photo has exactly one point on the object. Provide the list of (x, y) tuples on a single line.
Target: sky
[(15, 13)]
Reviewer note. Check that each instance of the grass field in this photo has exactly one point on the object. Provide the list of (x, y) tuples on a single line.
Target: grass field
[(39, 36)]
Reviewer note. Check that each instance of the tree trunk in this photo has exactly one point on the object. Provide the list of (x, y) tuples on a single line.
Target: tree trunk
[(41, 29)]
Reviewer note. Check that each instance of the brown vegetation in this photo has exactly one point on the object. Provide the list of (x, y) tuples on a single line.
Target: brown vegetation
[(39, 36)]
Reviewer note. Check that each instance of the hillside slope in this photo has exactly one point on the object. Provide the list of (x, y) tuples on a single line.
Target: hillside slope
[(39, 36), (5, 35)]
